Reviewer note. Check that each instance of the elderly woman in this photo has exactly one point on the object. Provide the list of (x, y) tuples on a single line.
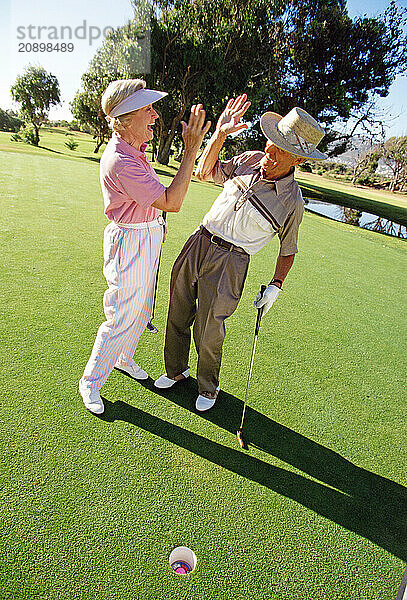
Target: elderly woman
[(133, 198)]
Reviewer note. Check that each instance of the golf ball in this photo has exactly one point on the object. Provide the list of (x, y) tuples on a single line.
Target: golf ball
[(181, 567)]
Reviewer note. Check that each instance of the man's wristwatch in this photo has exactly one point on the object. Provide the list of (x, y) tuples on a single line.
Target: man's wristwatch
[(276, 281)]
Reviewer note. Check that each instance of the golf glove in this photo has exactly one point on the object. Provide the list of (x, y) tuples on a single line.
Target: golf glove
[(267, 298)]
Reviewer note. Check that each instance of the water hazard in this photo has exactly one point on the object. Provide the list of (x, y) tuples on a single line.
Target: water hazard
[(354, 216)]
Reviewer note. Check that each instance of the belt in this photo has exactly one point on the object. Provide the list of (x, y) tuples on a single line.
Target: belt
[(143, 225), (218, 241)]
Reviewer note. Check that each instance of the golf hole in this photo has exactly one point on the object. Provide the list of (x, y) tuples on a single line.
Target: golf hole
[(182, 560)]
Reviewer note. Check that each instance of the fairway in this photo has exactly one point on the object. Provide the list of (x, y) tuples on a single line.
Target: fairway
[(315, 509)]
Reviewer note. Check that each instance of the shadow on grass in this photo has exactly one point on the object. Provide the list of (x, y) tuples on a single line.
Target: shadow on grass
[(92, 158), (50, 150), (370, 505)]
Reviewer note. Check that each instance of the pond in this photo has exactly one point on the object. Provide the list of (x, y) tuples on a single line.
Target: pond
[(354, 216)]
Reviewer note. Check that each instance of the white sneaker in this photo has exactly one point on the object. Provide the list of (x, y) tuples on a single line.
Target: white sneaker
[(132, 369), (204, 403), (165, 382), (91, 399)]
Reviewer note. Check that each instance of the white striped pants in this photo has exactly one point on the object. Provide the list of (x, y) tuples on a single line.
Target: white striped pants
[(131, 255)]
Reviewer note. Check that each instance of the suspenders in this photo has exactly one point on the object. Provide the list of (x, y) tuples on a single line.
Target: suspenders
[(248, 194)]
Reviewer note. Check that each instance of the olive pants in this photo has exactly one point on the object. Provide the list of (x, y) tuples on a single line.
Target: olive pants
[(206, 285)]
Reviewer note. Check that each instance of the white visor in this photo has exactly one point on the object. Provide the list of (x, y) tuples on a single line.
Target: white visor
[(142, 97)]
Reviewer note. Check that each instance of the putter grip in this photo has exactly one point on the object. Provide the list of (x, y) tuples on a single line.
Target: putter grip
[(259, 313)]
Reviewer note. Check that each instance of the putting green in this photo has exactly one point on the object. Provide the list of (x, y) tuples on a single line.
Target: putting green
[(91, 508)]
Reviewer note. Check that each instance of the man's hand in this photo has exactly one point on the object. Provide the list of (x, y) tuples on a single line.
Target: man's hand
[(228, 122), (267, 298), (195, 131), (229, 119)]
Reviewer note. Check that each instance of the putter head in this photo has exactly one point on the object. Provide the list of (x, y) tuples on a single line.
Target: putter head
[(151, 328)]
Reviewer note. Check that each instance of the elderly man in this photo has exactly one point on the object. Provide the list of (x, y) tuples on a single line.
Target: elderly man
[(260, 199)]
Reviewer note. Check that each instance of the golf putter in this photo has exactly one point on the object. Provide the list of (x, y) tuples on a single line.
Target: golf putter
[(152, 328), (239, 434)]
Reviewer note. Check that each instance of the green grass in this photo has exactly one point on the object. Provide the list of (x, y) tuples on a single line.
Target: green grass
[(52, 143), (91, 508)]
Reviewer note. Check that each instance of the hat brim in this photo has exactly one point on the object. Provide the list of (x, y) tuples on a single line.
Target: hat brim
[(139, 99), (268, 125)]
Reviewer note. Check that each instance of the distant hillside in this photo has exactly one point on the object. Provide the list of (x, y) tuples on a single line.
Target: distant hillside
[(360, 144)]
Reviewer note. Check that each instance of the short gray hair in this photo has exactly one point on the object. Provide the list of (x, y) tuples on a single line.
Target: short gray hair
[(115, 92)]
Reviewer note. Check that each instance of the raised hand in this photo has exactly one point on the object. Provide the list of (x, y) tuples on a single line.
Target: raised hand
[(229, 119), (195, 131)]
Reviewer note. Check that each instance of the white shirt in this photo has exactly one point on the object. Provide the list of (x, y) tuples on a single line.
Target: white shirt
[(251, 210)]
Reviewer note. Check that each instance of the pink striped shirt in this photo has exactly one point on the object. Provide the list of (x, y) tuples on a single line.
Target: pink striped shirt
[(129, 183)]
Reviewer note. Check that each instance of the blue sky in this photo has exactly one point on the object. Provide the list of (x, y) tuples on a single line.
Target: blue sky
[(68, 67)]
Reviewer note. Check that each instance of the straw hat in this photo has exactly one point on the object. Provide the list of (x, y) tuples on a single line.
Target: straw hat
[(297, 132)]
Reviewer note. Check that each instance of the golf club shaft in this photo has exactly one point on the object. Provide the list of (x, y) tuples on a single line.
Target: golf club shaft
[(248, 382), (256, 333)]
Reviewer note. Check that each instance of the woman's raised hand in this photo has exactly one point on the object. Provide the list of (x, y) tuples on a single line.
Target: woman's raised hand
[(195, 131)]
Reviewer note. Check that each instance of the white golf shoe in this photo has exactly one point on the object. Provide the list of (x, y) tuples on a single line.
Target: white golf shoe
[(204, 403), (131, 369), (91, 399), (165, 382)]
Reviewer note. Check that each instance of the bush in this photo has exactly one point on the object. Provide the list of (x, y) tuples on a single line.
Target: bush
[(74, 126), (86, 129), (339, 169), (366, 179), (330, 167), (16, 137), (305, 167), (27, 133), (71, 144)]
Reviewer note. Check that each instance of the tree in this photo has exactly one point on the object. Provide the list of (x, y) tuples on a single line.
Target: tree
[(194, 54), (198, 49), (395, 157), (284, 53), (366, 163), (9, 121), (205, 51), (119, 56), (87, 110), (36, 91), (335, 67)]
